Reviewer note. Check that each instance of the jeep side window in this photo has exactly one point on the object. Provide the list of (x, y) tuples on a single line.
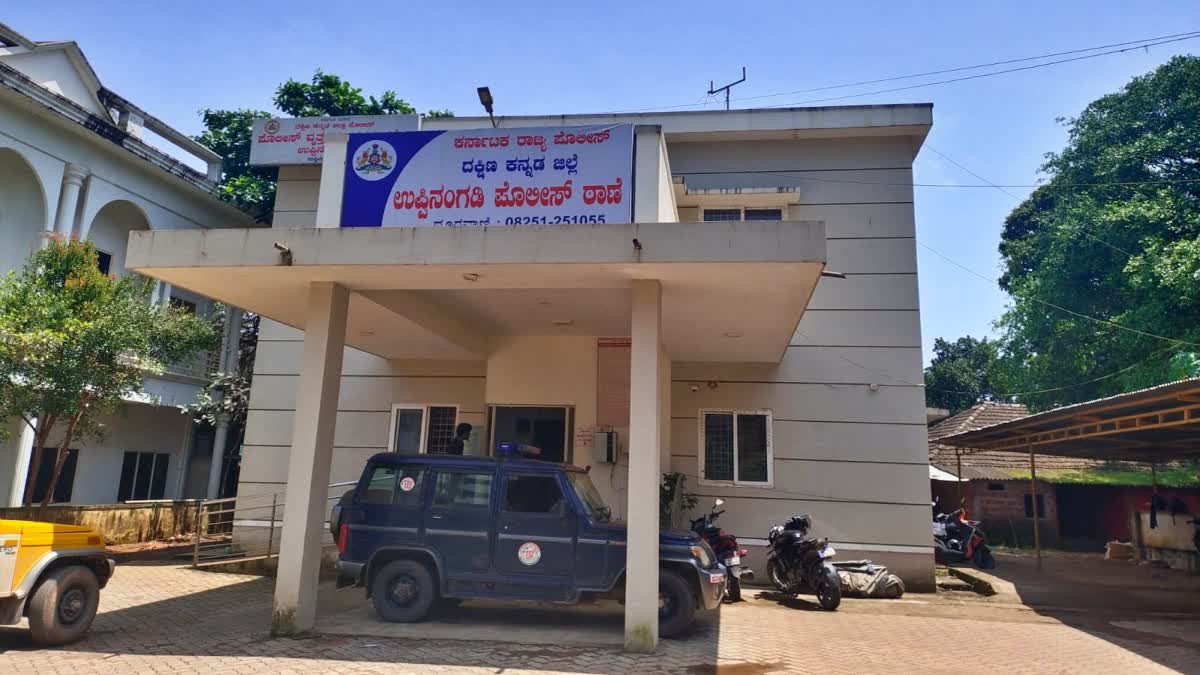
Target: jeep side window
[(533, 493), (456, 489), (398, 485)]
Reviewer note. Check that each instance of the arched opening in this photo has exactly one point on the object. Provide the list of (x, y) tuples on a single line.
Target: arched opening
[(22, 209), (110, 232)]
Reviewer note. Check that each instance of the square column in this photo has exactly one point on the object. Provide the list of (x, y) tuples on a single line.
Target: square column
[(645, 474), (308, 464)]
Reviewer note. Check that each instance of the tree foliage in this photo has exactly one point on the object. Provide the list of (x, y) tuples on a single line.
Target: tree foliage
[(74, 343), (1128, 254), (962, 373), (227, 132)]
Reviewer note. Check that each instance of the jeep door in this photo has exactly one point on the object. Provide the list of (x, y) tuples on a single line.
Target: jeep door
[(538, 526), (387, 510), (459, 523)]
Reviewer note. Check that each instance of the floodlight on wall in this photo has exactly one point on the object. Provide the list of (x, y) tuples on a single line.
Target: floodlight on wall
[(485, 99)]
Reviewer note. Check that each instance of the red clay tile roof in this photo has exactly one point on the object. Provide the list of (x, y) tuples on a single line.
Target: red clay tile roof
[(991, 465)]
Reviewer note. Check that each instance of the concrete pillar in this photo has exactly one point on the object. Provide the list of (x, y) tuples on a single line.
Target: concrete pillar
[(333, 180), (220, 437), (68, 199), (645, 440), (308, 464), (21, 465)]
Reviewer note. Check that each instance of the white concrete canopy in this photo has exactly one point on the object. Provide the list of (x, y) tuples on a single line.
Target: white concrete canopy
[(731, 291)]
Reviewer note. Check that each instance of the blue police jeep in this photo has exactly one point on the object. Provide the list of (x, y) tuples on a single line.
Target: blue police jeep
[(423, 528)]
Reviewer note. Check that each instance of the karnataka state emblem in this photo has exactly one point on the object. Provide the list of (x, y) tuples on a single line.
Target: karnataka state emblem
[(375, 160), (271, 127)]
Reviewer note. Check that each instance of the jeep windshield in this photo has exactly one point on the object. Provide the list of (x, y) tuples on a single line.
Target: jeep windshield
[(593, 503)]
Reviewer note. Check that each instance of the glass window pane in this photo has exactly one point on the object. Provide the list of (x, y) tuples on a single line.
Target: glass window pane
[(158, 483), (764, 214), (533, 494), (441, 429), (128, 467), (408, 430), (720, 215), (718, 446), (463, 489), (145, 471), (381, 486), (752, 448)]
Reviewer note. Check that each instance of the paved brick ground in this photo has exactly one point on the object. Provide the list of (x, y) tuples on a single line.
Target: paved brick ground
[(160, 619)]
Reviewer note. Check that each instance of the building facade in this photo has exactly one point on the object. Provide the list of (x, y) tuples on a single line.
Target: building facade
[(78, 160), (703, 334)]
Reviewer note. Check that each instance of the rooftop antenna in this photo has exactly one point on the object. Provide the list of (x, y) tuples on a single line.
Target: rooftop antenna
[(726, 88)]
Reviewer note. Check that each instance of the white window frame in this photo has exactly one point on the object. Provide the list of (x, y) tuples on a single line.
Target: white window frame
[(770, 482), (783, 211), (424, 408)]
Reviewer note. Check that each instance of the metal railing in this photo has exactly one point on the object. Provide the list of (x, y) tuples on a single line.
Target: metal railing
[(236, 528)]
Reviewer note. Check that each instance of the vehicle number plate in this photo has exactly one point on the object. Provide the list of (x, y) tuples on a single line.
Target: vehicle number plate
[(733, 560), (715, 578)]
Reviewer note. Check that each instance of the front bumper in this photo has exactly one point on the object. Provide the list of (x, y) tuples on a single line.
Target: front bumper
[(712, 586)]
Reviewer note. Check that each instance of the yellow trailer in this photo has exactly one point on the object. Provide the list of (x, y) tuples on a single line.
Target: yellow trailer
[(52, 574)]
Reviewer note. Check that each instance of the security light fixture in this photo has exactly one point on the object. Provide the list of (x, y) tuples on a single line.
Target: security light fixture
[(485, 98), (285, 253), (470, 276)]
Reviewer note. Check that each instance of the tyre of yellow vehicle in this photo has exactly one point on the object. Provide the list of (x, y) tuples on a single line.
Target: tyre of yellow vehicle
[(62, 608)]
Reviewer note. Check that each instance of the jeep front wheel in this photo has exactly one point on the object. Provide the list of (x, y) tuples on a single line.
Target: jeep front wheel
[(64, 605), (403, 591), (676, 604)]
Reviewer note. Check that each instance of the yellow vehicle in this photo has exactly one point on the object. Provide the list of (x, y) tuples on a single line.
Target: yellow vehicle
[(53, 575)]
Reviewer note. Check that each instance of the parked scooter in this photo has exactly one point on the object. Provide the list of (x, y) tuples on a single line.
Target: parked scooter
[(798, 562), (956, 539), (728, 552)]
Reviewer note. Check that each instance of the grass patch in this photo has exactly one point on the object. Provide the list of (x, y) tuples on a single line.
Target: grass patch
[(1179, 477)]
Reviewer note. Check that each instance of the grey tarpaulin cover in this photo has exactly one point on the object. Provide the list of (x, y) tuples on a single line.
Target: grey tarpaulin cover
[(864, 579)]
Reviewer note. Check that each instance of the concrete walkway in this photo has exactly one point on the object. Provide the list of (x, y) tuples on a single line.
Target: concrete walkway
[(167, 619)]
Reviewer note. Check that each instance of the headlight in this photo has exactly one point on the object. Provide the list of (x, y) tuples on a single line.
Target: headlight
[(704, 554)]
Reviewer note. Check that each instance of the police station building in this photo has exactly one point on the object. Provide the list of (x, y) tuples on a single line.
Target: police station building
[(642, 294)]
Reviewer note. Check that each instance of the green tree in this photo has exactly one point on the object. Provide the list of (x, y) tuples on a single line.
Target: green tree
[(74, 343), (1114, 233), (962, 373), (227, 132)]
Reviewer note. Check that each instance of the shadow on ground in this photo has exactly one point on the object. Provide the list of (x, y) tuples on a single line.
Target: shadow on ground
[(1151, 611), (233, 620)]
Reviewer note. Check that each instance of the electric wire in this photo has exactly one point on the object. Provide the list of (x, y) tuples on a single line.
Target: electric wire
[(1127, 46)]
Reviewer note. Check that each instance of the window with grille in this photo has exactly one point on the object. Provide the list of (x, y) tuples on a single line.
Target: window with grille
[(418, 429), (66, 476), (719, 215), (724, 215), (736, 447), (762, 214)]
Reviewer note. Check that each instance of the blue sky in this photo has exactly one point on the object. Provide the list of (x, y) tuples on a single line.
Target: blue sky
[(551, 57)]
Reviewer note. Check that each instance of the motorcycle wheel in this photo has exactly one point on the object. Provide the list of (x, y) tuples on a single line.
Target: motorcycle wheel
[(776, 576), (829, 591), (983, 558), (733, 592)]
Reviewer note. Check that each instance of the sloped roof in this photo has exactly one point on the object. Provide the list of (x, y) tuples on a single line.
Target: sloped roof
[(991, 465)]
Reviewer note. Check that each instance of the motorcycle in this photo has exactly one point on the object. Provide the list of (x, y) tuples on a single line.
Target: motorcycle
[(728, 552), (797, 561), (956, 539)]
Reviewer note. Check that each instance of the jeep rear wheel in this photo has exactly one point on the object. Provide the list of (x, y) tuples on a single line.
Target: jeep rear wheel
[(64, 605), (403, 591), (676, 604)]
